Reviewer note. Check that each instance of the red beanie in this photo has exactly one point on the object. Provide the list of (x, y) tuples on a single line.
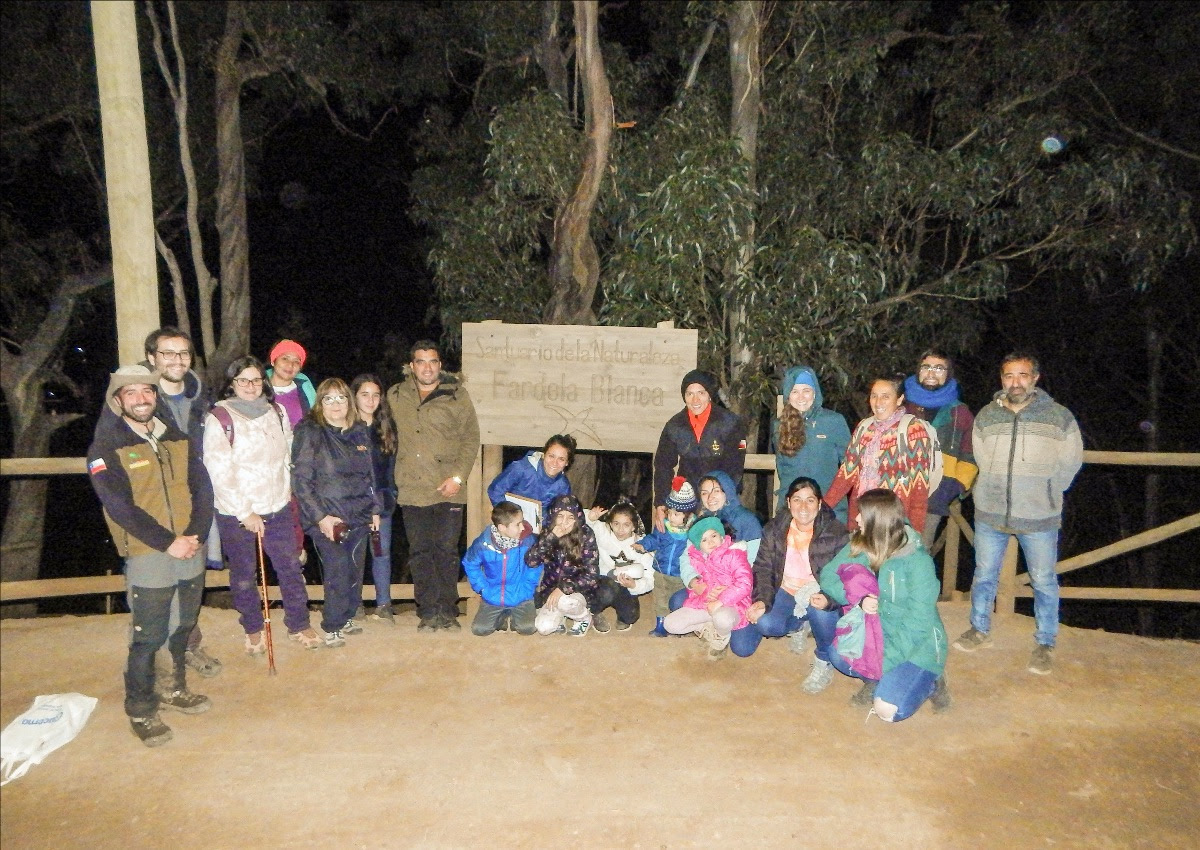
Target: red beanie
[(288, 346)]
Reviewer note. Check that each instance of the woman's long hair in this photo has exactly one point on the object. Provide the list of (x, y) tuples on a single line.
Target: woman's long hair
[(883, 531), (792, 433), (336, 386), (383, 425), (237, 366)]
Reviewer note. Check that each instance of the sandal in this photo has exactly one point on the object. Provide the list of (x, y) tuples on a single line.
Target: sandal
[(256, 647), (307, 638)]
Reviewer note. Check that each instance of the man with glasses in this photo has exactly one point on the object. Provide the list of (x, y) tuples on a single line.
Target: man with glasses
[(932, 395), (437, 438), (181, 402)]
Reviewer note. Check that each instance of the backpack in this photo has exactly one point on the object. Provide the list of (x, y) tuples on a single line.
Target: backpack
[(936, 460), (222, 415)]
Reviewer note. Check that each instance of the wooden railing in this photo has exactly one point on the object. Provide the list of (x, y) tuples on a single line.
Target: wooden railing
[(1011, 585)]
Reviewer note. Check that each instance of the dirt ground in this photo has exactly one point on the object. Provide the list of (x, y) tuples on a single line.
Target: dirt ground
[(446, 740)]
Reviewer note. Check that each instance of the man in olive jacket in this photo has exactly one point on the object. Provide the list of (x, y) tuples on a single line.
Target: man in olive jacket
[(438, 439)]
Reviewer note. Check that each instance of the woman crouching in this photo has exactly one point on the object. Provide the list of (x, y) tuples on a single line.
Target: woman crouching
[(888, 576)]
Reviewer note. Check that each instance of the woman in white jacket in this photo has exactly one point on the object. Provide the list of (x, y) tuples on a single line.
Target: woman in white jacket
[(248, 451)]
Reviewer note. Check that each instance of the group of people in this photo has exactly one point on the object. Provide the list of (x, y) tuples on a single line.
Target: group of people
[(845, 559)]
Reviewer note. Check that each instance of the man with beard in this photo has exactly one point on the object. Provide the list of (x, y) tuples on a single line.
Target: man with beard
[(932, 395), (158, 502), (1029, 450)]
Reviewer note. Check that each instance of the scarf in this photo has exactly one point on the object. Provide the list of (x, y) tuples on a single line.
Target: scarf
[(930, 399), (503, 542), (250, 409)]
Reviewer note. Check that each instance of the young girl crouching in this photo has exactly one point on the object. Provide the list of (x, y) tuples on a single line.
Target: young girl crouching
[(567, 555), (625, 573), (716, 603)]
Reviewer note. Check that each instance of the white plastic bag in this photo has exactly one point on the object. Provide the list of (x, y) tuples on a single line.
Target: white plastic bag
[(52, 720)]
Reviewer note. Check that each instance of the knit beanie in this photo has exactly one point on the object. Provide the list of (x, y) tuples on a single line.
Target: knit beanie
[(701, 526), (288, 346), (804, 378), (682, 497), (704, 379)]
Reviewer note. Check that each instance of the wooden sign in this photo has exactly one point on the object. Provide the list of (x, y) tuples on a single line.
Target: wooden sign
[(610, 388)]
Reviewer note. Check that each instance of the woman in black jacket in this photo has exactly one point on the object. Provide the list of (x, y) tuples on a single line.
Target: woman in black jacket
[(796, 543), (334, 482)]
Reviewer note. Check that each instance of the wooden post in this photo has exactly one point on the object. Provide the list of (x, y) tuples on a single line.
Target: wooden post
[(950, 559), (126, 175), (1006, 589)]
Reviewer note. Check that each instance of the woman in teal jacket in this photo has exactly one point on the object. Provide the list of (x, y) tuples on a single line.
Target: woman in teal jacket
[(808, 440), (914, 639)]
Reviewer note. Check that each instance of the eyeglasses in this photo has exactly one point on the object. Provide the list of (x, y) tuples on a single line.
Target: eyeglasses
[(939, 369), (174, 355), (248, 382), (333, 399)]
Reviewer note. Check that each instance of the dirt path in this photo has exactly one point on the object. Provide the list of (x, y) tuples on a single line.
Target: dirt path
[(610, 741)]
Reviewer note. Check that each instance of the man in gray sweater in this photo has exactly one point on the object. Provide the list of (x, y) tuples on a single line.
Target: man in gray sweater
[(1028, 449)]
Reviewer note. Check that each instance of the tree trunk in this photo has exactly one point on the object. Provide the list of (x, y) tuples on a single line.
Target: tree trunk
[(549, 54)]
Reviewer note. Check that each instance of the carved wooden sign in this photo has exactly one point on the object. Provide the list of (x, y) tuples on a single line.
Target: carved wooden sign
[(611, 388)]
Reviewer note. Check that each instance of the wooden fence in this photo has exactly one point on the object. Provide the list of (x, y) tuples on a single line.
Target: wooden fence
[(487, 466)]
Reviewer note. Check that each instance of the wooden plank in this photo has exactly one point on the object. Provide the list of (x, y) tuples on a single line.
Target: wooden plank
[(1122, 594), (43, 466), (1138, 541), (1143, 458), (611, 388), (953, 536), (1006, 587)]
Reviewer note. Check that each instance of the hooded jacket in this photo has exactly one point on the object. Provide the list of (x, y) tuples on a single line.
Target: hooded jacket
[(153, 487), (826, 436), (725, 566), (437, 438), (1027, 460), (501, 576), (742, 520), (829, 536), (908, 614), (722, 445), (332, 474), (570, 575), (527, 477), (199, 405)]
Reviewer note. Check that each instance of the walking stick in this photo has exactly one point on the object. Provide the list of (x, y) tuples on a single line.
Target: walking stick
[(266, 606)]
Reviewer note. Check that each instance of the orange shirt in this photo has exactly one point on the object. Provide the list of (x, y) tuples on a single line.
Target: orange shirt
[(698, 422)]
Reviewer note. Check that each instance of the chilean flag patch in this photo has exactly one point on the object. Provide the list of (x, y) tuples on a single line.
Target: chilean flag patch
[(742, 446), (97, 465)]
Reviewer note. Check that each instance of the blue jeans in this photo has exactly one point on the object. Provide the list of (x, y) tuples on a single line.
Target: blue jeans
[(779, 621), (1041, 554), (381, 565), (905, 686)]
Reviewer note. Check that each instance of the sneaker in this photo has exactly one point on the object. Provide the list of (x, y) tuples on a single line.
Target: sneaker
[(622, 626), (151, 731), (256, 644), (334, 638), (351, 628), (360, 612), (940, 698), (1041, 660), (819, 677), (865, 695), (600, 624), (202, 662), (428, 624), (383, 613), (580, 628), (973, 639), (307, 638), (185, 701), (716, 653), (798, 640)]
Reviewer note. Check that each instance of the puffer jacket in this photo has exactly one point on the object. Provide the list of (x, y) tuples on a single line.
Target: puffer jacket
[(826, 436), (570, 575), (253, 475), (527, 477), (332, 474), (725, 566), (742, 520), (438, 439), (829, 536), (668, 546), (722, 445), (501, 576), (908, 614)]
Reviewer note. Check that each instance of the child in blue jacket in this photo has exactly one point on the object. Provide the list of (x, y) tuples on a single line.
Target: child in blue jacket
[(495, 566), (668, 546)]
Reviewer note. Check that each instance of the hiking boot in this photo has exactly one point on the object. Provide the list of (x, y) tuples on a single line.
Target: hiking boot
[(622, 626), (658, 630), (600, 624), (334, 638), (865, 696), (151, 731), (1041, 660), (202, 662), (428, 624), (360, 612), (798, 640), (819, 677), (450, 623), (351, 628), (185, 701), (973, 639), (307, 638), (580, 628), (383, 614), (940, 698)]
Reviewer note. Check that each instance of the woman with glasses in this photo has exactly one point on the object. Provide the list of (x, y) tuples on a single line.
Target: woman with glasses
[(339, 504), (368, 395), (247, 450)]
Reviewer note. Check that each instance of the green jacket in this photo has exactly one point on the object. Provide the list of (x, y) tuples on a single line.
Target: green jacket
[(437, 438), (908, 615)]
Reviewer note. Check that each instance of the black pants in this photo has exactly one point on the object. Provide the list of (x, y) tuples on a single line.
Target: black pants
[(341, 570), (613, 595), (150, 610), (433, 557)]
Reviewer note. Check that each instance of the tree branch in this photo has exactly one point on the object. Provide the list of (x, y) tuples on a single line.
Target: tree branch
[(1138, 134)]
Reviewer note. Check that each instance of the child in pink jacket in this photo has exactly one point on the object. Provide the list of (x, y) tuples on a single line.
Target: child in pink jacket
[(718, 605)]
